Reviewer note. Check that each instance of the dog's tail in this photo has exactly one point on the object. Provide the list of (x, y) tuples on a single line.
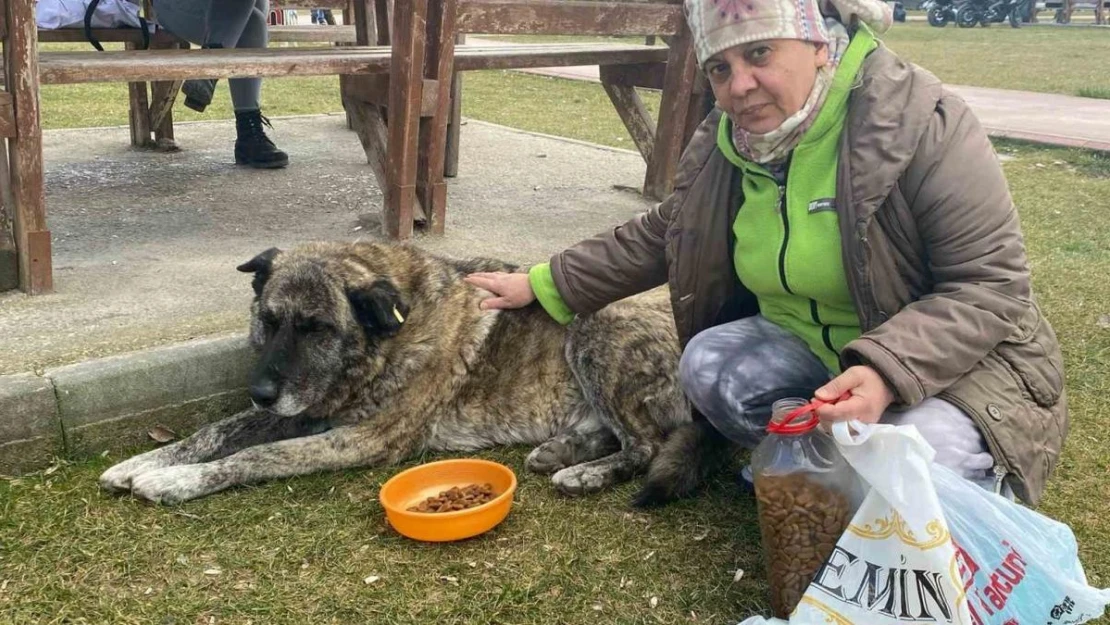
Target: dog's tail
[(690, 455)]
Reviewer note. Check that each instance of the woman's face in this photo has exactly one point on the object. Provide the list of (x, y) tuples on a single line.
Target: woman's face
[(762, 83)]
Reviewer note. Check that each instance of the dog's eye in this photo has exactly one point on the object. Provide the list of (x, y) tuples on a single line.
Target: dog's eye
[(310, 325)]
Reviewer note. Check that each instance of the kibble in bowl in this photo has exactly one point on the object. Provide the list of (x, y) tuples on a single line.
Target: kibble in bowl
[(449, 499)]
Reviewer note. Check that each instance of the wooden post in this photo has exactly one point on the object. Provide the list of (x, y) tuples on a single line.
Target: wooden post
[(454, 122), (440, 61), (21, 73), (406, 78), (677, 85), (138, 109)]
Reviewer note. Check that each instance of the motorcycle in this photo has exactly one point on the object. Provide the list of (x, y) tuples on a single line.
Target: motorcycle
[(940, 12), (988, 12)]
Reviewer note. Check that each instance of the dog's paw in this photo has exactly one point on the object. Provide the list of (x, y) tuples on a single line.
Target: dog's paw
[(547, 458), (118, 478), (580, 480), (172, 485)]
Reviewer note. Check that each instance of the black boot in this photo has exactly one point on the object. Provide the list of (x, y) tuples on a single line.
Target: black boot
[(253, 147), (198, 92)]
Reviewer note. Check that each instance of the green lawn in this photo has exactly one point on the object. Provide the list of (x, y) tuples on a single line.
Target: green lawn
[(301, 550)]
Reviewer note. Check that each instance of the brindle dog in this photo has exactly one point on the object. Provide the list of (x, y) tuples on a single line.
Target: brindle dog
[(369, 354)]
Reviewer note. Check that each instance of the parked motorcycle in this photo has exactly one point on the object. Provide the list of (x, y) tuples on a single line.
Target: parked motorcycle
[(940, 12), (987, 12)]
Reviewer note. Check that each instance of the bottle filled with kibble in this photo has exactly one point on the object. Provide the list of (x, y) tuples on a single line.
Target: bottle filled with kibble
[(806, 494)]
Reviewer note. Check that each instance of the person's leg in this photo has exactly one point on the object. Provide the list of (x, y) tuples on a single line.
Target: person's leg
[(209, 24), (253, 147), (958, 443), (733, 372)]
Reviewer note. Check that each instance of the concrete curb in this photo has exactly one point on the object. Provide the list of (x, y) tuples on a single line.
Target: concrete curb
[(110, 403)]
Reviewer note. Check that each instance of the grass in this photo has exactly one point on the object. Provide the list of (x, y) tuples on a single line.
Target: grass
[(299, 550), (1047, 60), (1102, 93)]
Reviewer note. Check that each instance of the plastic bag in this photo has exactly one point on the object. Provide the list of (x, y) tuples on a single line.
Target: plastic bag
[(54, 14), (929, 547)]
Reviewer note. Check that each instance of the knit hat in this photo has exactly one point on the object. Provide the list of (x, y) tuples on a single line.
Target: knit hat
[(721, 24)]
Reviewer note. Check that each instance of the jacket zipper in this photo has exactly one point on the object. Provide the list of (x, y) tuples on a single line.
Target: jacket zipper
[(826, 330), (785, 238)]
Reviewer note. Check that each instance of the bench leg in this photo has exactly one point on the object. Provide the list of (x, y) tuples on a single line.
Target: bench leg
[(677, 87), (24, 192), (406, 78), (454, 122), (440, 60)]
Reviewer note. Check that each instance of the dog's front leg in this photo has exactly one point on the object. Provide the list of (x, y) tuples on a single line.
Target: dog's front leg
[(341, 448), (215, 440)]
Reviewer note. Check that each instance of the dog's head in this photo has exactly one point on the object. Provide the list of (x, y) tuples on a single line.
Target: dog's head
[(314, 318)]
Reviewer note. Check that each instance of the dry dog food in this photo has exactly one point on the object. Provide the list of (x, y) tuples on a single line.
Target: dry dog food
[(457, 499), (800, 521)]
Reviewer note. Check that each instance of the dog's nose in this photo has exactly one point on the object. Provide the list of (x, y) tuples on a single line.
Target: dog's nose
[(263, 392)]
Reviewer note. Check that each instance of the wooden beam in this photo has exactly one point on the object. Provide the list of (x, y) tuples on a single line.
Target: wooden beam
[(572, 17), (138, 110), (677, 86), (439, 60), (32, 239), (406, 80), (369, 124), (163, 95), (374, 89), (637, 119)]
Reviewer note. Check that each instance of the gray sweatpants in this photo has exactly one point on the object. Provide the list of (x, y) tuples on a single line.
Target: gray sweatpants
[(734, 372), (230, 23)]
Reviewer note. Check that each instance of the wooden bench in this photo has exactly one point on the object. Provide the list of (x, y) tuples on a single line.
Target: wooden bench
[(424, 90)]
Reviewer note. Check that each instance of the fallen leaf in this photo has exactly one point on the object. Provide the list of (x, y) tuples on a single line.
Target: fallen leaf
[(288, 488), (161, 434), (148, 591), (212, 571), (1103, 322), (624, 582), (1039, 165), (371, 579), (738, 575), (182, 559), (450, 579), (701, 537), (488, 565), (693, 617), (4, 585), (363, 548), (653, 602), (52, 469), (649, 556), (596, 607), (472, 564), (304, 565), (242, 585)]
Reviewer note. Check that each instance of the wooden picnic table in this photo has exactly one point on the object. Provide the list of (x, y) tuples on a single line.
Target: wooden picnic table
[(404, 68)]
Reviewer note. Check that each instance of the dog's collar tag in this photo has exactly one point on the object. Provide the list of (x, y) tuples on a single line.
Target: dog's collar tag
[(397, 313)]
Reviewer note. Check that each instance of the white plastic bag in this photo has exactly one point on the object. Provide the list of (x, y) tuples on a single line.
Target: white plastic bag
[(929, 547), (55, 14)]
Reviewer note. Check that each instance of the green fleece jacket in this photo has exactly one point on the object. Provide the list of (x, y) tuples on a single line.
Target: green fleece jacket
[(787, 249)]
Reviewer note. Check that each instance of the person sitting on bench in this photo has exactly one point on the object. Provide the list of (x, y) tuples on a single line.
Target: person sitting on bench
[(227, 24)]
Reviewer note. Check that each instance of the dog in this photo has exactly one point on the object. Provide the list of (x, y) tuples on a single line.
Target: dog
[(369, 354)]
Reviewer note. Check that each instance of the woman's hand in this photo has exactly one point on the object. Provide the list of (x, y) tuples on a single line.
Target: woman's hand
[(512, 290), (870, 396)]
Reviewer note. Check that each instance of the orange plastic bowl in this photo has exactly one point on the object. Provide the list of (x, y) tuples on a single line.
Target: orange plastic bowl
[(408, 488)]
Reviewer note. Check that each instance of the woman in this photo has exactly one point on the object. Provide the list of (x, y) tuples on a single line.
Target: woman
[(227, 24), (839, 224)]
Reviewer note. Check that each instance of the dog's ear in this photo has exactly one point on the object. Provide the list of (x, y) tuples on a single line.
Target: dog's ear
[(260, 266), (379, 308)]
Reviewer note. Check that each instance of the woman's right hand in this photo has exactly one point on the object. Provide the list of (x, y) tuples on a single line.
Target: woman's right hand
[(511, 290)]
